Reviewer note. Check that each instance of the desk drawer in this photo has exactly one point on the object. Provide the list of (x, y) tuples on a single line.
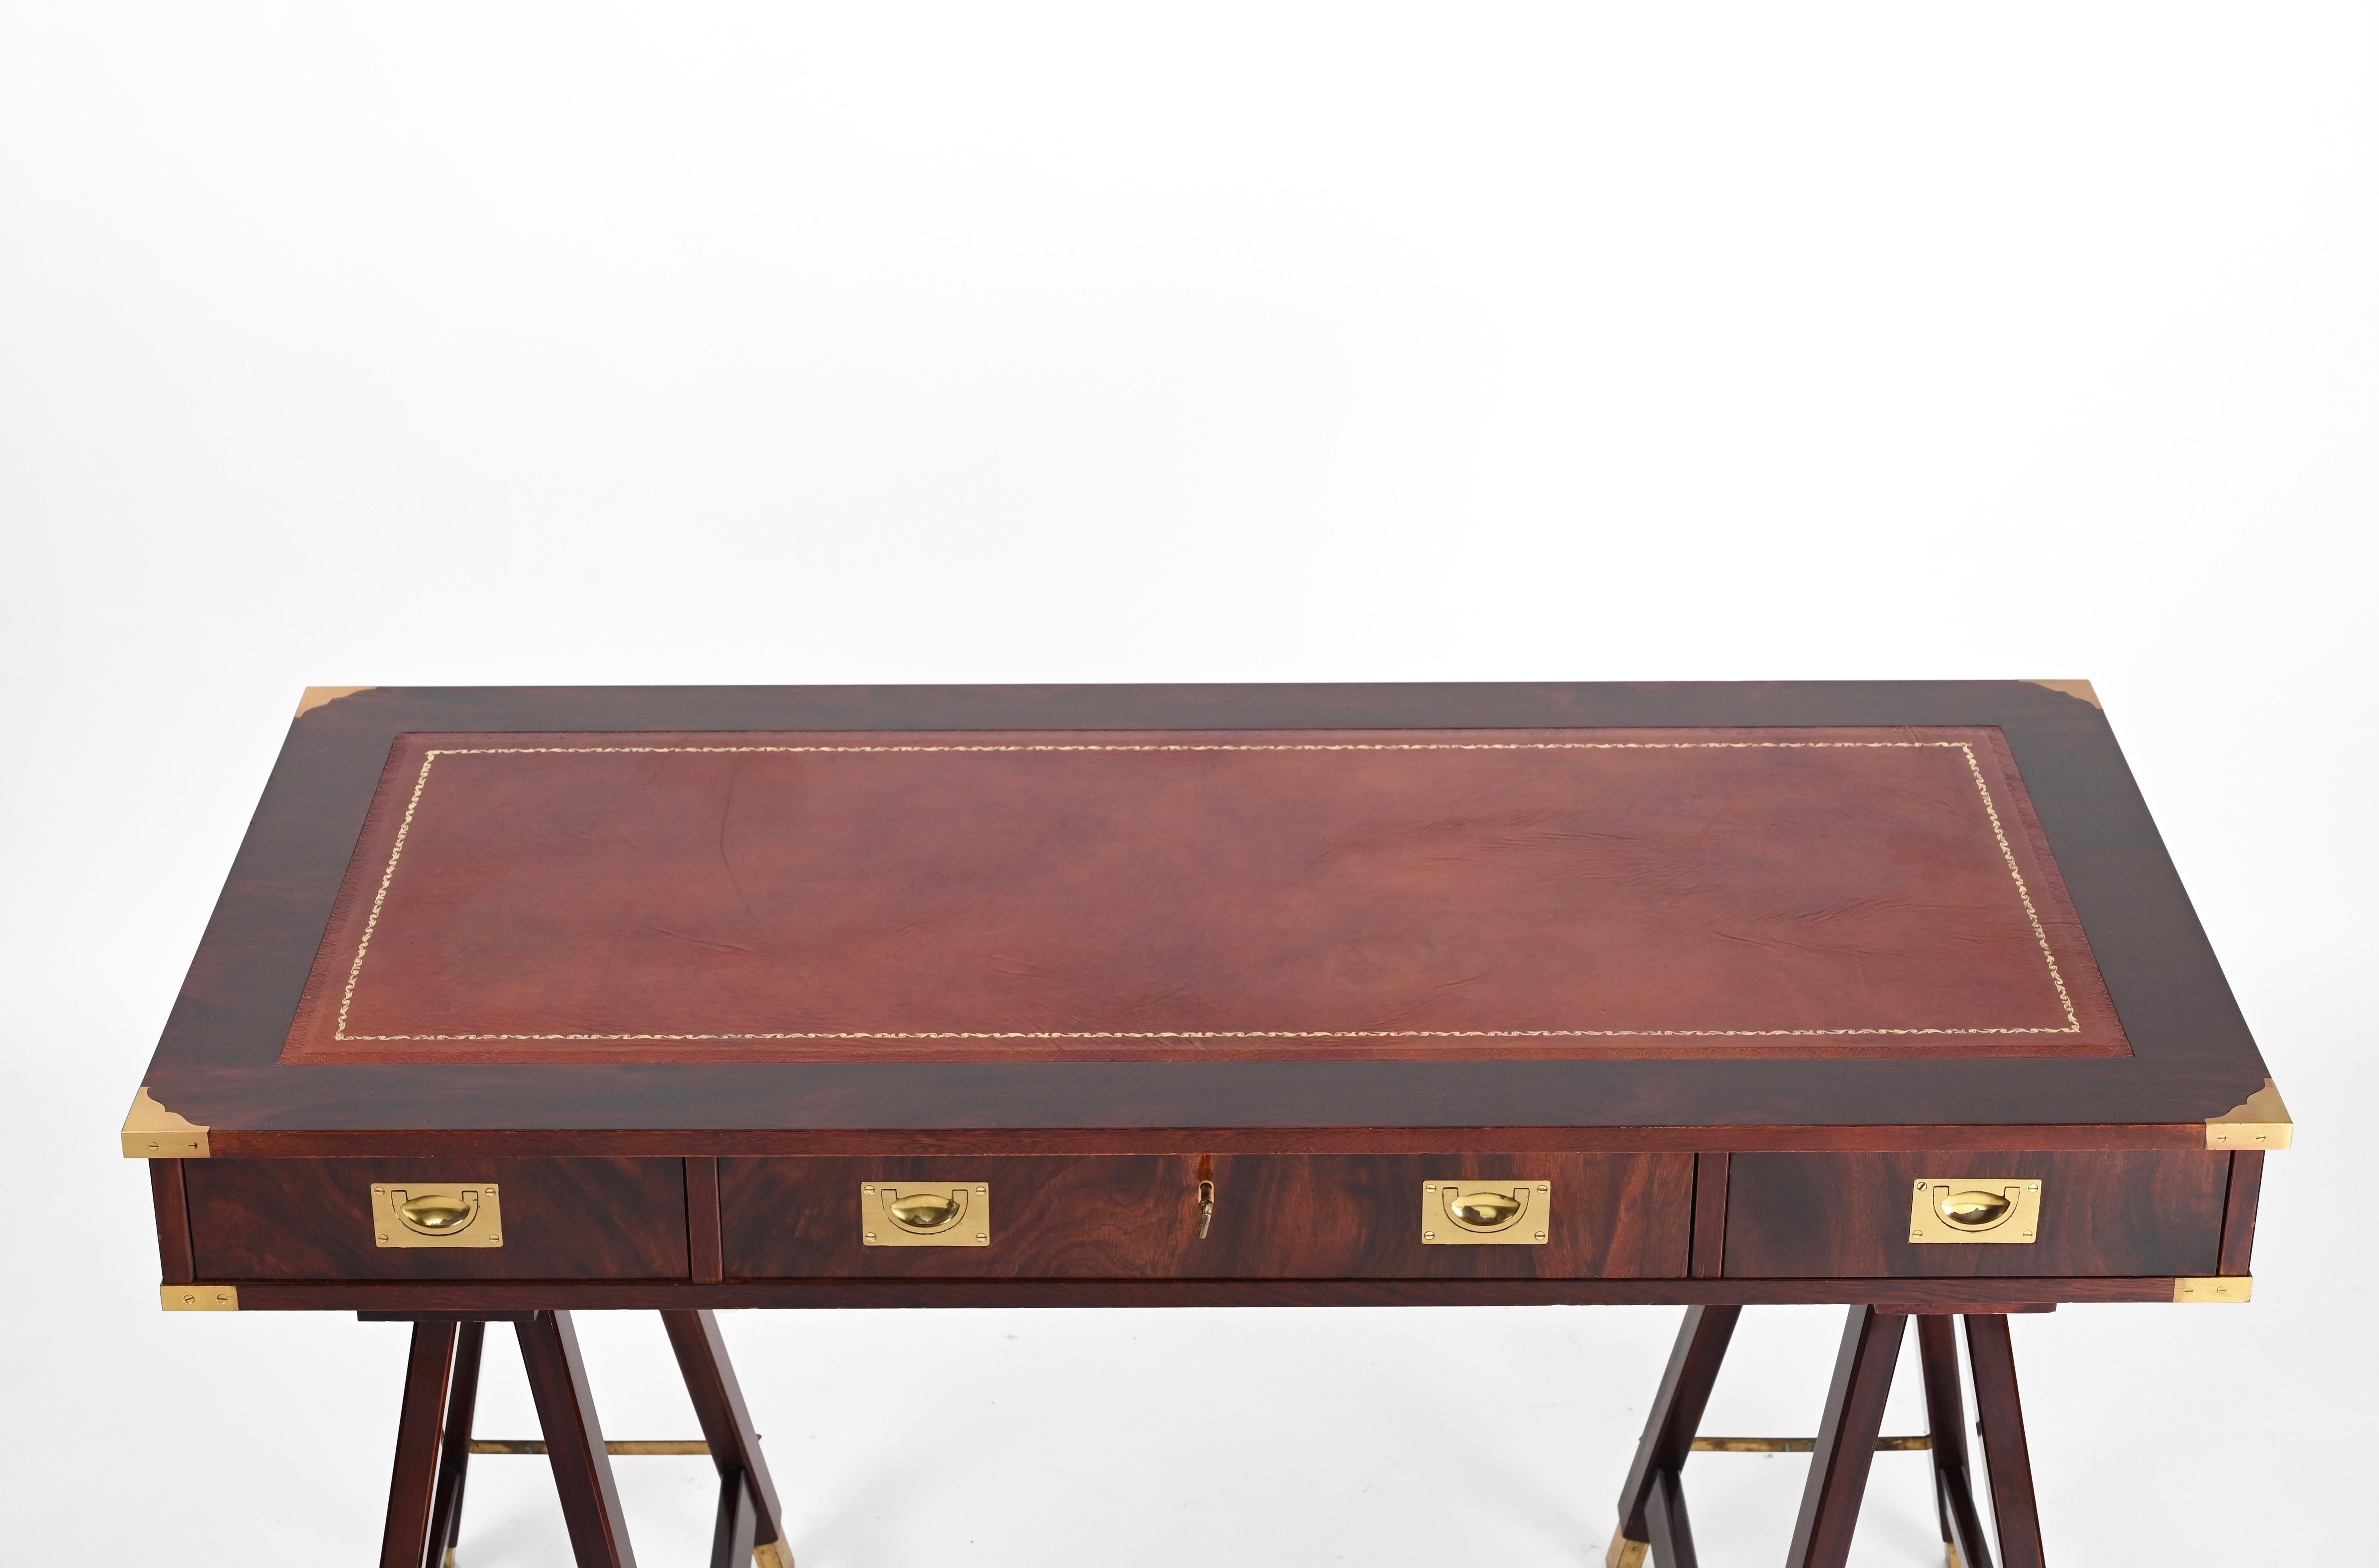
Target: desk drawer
[(1847, 1216), (1611, 1216), (573, 1219)]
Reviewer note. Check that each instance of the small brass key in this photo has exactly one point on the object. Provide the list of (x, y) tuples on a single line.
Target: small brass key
[(1205, 1207)]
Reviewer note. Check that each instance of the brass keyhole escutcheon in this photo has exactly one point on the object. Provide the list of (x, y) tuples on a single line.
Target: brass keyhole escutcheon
[(927, 1213), (1974, 1209), (1484, 1210), (440, 1214)]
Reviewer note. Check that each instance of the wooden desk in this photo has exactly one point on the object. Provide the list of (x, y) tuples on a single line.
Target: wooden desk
[(1883, 993)]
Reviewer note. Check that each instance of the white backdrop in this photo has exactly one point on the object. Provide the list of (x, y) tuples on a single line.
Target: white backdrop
[(446, 343)]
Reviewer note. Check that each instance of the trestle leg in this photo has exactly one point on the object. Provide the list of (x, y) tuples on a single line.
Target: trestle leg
[(2005, 1457), (573, 1442), (404, 1540), (1963, 1539), (727, 1426), (1669, 1428), (455, 1447), (1845, 1451)]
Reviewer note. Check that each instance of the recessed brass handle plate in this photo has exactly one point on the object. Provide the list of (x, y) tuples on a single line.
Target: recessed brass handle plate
[(924, 1214), (1970, 1210), (1486, 1214), (436, 1213)]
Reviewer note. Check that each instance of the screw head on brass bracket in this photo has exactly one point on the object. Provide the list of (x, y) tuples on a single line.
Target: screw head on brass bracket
[(2261, 1122), (152, 1133), (2216, 1288), (1975, 1208), (924, 1214), (198, 1298), (1486, 1214)]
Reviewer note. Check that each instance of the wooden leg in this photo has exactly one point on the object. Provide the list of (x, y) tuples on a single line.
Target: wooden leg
[(727, 1426), (1669, 1430), (1838, 1470), (2005, 1454), (406, 1538), (573, 1441), (455, 1453), (1673, 1533), (730, 1539), (1945, 1411)]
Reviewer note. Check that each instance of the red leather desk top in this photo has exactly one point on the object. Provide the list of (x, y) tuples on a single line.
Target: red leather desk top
[(632, 921), (1172, 895)]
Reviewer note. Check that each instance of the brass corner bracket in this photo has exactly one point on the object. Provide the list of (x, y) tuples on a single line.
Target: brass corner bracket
[(318, 696), (2080, 689), (198, 1298), (2223, 1288), (2261, 1123), (152, 1133)]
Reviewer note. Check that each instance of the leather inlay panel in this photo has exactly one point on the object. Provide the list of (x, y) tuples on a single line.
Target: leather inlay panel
[(1187, 895), (1614, 1216)]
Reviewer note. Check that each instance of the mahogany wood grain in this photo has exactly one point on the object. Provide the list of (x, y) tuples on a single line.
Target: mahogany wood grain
[(2238, 1213), (219, 1061), (1845, 1450), (702, 1237), (176, 1263), (563, 1219), (2007, 1455), (404, 1540), (1945, 1412), (454, 1444), (726, 1425), (1613, 1216), (1675, 1416), (797, 1141), (461, 1299), (1710, 1174), (573, 1442), (2100, 1213)]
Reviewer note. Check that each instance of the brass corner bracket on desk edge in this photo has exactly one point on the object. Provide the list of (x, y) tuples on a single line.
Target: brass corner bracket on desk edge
[(2080, 690), (1624, 1553), (2222, 1288), (2261, 1122), (318, 696), (152, 1133), (198, 1298)]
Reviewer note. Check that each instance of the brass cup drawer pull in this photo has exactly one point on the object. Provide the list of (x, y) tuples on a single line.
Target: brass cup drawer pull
[(437, 1214), (2003, 1209), (924, 1214), (1486, 1214)]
